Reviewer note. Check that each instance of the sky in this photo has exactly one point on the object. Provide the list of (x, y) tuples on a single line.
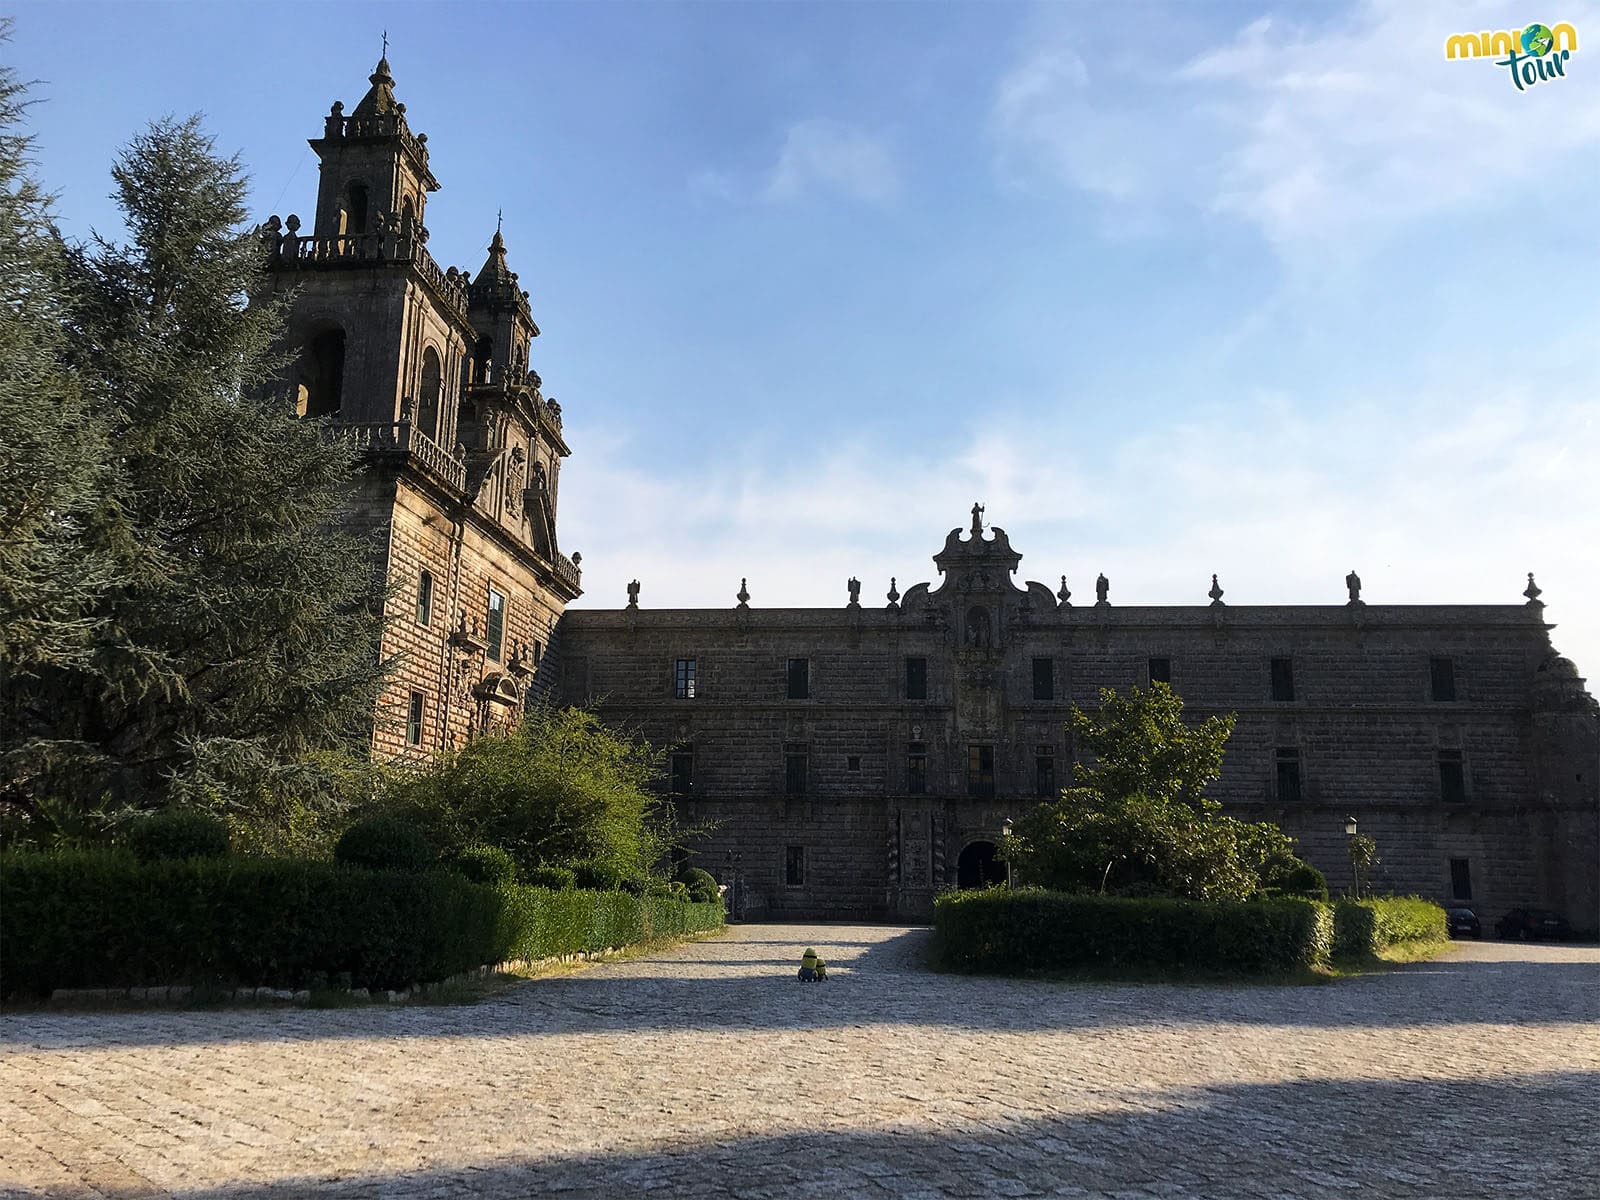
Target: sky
[(1271, 291)]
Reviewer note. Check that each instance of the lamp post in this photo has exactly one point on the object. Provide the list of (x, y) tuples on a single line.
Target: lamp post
[(1005, 832), (1355, 866)]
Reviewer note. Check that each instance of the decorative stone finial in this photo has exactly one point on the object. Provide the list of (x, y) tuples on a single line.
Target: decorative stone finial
[(633, 594), (1533, 591), (1353, 582), (1065, 594), (894, 594), (744, 593), (1215, 593), (577, 559), (977, 520), (1102, 588), (854, 586)]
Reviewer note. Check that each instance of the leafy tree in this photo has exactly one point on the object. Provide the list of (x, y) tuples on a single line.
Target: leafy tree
[(1138, 822), (560, 789), (237, 639)]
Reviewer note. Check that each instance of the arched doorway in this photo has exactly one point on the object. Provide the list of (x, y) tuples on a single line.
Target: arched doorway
[(978, 867)]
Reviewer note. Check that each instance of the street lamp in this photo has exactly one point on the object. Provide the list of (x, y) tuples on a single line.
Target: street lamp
[(1350, 826), (1005, 832), (1355, 863)]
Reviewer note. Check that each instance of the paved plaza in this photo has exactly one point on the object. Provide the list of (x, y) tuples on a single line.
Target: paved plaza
[(707, 1071)]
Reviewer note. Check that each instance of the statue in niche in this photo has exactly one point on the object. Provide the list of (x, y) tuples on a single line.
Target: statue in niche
[(979, 635), (514, 485)]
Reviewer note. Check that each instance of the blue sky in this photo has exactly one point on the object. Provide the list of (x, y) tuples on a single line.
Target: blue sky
[(1266, 290)]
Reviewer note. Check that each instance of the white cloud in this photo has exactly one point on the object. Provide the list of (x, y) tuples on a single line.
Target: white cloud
[(1335, 134), (1450, 500), (818, 157)]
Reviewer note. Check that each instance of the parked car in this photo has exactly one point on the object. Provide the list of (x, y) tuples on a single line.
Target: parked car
[(1528, 923), (1463, 922)]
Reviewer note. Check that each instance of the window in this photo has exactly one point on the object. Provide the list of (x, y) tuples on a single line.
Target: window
[(428, 397), (1283, 679), (1452, 777), (1161, 670), (355, 210), (683, 679), (1443, 673), (794, 768), (980, 770), (799, 678), (1044, 770), (497, 624), (853, 762), (1044, 679), (538, 653), (321, 390), (425, 598), (1460, 879), (916, 679), (414, 721), (682, 772), (794, 866), (916, 769), (1288, 775)]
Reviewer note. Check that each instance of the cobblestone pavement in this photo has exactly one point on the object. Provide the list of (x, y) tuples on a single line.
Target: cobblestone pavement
[(707, 1071)]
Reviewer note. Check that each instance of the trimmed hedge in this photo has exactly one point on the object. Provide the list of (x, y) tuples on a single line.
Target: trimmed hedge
[(177, 833), (104, 919), (555, 878), (385, 843), (486, 864), (1361, 928), (1004, 931)]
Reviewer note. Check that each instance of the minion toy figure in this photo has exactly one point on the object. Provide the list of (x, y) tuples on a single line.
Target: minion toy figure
[(812, 968)]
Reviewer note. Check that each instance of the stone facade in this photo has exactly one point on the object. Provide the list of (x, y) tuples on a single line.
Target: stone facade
[(426, 370), (866, 782)]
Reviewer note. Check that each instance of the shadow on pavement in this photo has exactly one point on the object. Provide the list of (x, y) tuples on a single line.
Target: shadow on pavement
[(714, 985), (1523, 1135)]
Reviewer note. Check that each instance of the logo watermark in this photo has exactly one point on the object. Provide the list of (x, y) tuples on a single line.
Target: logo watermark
[(1532, 55)]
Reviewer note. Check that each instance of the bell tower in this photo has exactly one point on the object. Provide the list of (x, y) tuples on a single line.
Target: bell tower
[(381, 331), (371, 164)]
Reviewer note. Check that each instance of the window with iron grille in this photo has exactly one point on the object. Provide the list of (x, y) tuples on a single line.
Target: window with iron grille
[(794, 866), (1442, 674), (1044, 679), (1460, 879), (1044, 770), (414, 720), (1283, 679), (497, 624), (425, 598), (1288, 775), (799, 678), (980, 770), (1452, 777), (852, 762), (795, 755), (1161, 670), (916, 679), (917, 768), (683, 679), (683, 771)]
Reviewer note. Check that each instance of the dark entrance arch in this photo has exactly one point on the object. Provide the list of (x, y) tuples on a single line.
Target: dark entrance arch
[(978, 867)]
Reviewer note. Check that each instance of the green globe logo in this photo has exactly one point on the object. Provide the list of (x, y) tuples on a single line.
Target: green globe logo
[(1537, 40)]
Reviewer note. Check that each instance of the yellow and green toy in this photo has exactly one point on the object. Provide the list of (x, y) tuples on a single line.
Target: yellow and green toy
[(812, 968)]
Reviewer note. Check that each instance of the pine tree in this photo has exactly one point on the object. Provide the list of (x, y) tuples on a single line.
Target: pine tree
[(241, 633), (51, 457)]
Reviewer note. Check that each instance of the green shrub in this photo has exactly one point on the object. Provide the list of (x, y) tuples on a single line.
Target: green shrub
[(597, 876), (384, 843), (1362, 928), (1013, 931), (1301, 879), (177, 833), (701, 884), (486, 864), (104, 919), (556, 879)]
